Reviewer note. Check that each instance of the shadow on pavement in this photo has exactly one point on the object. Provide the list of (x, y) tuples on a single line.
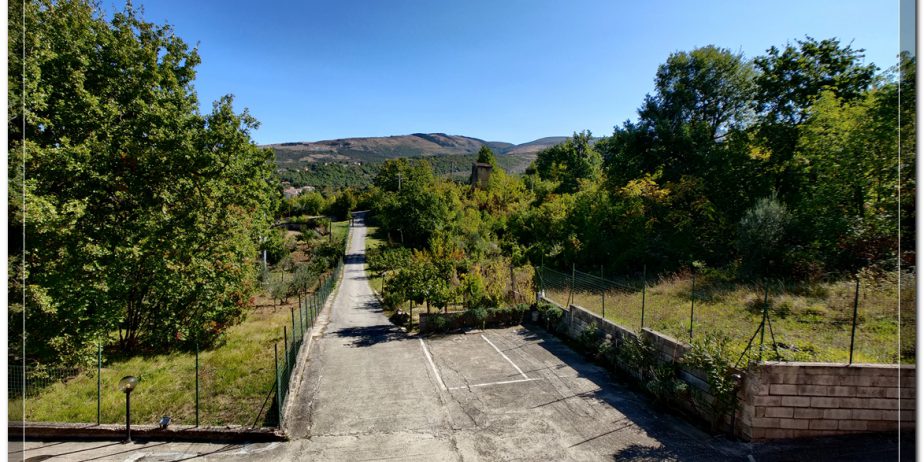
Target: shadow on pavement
[(859, 448), (371, 335), (679, 440), (217, 451), (106, 456), (682, 441), (355, 259)]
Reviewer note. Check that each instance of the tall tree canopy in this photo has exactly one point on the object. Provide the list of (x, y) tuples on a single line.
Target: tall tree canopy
[(789, 80), (570, 162), (142, 216)]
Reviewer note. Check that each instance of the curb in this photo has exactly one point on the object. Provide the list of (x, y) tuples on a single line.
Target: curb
[(70, 431)]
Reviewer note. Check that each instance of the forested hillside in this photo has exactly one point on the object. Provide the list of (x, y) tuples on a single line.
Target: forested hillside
[(352, 162)]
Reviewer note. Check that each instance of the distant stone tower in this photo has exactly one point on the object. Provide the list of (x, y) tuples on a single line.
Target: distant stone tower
[(480, 174)]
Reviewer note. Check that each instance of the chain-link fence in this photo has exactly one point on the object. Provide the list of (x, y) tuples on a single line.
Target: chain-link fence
[(190, 388), (308, 309), (830, 321)]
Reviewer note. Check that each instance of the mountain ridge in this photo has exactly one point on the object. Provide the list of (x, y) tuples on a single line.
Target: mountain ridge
[(381, 148)]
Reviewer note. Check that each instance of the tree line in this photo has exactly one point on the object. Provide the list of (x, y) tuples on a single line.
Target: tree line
[(786, 165), (134, 220)]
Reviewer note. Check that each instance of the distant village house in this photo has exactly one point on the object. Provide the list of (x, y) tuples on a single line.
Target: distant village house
[(292, 191), (480, 174)]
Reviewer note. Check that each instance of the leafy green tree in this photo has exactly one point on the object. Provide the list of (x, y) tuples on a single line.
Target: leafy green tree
[(689, 149), (422, 207), (486, 156), (142, 215), (570, 162), (344, 203), (848, 201), (789, 81)]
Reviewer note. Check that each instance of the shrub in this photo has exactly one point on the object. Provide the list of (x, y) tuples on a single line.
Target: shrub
[(439, 323), (479, 316), (713, 356), (589, 339), (760, 236)]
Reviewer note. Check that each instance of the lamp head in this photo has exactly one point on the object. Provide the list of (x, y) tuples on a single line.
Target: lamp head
[(128, 383)]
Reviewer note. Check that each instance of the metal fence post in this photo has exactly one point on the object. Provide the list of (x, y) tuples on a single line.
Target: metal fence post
[(763, 322), (99, 382), (301, 317), (294, 333), (603, 292), (644, 285), (692, 291), (571, 294), (197, 383), (285, 351), (278, 385), (853, 330)]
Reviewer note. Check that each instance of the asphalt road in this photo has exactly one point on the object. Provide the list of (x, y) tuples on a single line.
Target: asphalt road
[(370, 391), (373, 392)]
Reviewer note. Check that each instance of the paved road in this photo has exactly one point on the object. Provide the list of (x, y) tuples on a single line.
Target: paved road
[(374, 392), (369, 391)]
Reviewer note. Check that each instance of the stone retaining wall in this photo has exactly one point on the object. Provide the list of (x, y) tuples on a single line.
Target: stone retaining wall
[(790, 400)]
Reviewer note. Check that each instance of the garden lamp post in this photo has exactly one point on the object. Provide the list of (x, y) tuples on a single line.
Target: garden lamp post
[(127, 384)]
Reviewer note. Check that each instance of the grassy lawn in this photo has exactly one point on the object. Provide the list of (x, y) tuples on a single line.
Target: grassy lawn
[(235, 378), (374, 240), (810, 323), (340, 229)]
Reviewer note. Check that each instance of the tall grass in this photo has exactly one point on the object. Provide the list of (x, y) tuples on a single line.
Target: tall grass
[(810, 322), (234, 380)]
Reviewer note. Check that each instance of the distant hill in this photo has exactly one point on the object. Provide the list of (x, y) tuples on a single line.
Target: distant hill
[(377, 149)]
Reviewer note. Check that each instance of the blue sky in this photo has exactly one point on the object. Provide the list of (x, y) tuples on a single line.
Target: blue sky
[(498, 70)]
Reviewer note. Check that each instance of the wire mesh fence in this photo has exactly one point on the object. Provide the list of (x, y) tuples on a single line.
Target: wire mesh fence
[(833, 320), (192, 388), (294, 336)]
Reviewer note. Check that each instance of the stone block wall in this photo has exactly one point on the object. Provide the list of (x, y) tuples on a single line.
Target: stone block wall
[(789, 400), (792, 400), (579, 319)]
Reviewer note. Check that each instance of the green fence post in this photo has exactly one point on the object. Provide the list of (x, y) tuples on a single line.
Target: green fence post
[(285, 351), (99, 382), (197, 383), (853, 330), (278, 386), (603, 292), (301, 317), (763, 322), (692, 290), (644, 285), (294, 332)]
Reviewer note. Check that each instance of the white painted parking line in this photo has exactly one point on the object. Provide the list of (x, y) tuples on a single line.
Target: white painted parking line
[(430, 359), (505, 357), (494, 383)]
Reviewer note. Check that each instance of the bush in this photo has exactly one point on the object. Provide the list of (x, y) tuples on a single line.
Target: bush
[(439, 323), (589, 340), (760, 236), (478, 316), (713, 356)]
